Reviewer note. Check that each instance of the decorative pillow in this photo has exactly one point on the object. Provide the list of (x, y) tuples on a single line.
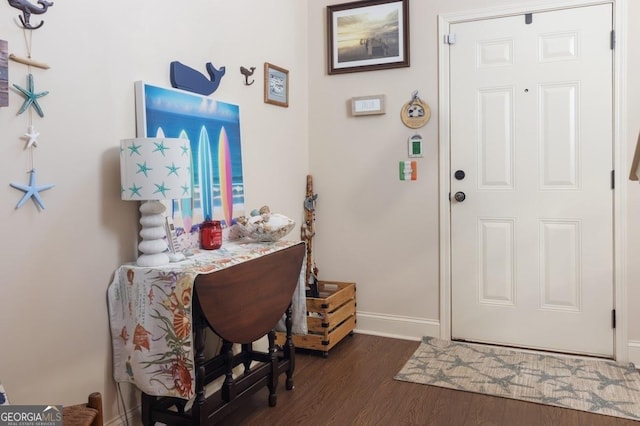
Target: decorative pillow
[(3, 396)]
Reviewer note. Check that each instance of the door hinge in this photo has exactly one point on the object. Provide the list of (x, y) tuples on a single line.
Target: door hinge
[(450, 39), (528, 18), (613, 179), (613, 39), (613, 318)]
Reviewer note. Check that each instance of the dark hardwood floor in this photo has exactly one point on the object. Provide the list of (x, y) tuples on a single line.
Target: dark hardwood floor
[(355, 386)]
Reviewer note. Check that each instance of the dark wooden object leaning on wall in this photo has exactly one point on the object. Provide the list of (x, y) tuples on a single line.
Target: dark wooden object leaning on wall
[(240, 304)]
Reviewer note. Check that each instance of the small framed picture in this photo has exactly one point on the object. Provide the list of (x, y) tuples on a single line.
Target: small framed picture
[(276, 85), (368, 35)]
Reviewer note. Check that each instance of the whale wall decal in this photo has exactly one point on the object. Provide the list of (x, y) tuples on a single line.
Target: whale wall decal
[(247, 72), (28, 8), (189, 79)]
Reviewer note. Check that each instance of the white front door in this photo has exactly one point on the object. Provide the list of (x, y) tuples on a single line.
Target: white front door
[(531, 130)]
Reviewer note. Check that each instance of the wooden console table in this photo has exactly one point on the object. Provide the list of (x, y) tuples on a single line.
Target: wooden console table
[(158, 318)]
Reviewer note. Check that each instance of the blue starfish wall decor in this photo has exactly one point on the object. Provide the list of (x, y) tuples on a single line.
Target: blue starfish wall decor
[(31, 191), (31, 97)]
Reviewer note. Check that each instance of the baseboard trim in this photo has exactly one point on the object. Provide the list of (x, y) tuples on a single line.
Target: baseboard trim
[(394, 326), (133, 415), (634, 352)]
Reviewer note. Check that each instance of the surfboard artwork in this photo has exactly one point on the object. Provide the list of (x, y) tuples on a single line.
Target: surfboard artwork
[(186, 204), (226, 180), (205, 175), (212, 128)]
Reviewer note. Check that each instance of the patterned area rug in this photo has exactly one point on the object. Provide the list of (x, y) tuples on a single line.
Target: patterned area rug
[(597, 386)]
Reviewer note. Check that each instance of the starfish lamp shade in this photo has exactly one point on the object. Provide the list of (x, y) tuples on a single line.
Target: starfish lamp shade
[(152, 170)]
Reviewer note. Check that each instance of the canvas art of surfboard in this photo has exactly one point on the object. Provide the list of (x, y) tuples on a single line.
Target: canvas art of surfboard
[(205, 174), (226, 177), (186, 204)]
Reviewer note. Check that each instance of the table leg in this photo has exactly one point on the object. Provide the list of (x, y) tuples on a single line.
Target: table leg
[(247, 350), (289, 349), (227, 387), (199, 370), (147, 403), (273, 360)]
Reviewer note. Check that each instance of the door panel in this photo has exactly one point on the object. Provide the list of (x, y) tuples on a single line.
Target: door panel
[(531, 126), (559, 133), (497, 256), (496, 167)]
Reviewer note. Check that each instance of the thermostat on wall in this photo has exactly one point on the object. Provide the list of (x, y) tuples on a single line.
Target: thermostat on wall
[(415, 146), (367, 105)]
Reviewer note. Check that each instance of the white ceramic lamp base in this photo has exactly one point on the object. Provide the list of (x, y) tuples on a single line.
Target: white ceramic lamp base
[(153, 245)]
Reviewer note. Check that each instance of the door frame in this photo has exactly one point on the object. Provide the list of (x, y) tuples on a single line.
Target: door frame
[(621, 340)]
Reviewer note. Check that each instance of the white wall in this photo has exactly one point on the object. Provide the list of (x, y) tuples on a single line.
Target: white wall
[(56, 264)]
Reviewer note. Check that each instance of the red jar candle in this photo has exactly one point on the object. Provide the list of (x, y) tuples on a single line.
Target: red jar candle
[(211, 235)]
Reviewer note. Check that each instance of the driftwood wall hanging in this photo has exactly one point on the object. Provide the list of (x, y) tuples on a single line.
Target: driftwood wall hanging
[(307, 232)]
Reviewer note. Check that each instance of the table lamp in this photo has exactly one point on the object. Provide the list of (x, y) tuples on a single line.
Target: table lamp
[(151, 170)]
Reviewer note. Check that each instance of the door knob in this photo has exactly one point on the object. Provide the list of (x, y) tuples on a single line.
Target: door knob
[(460, 196)]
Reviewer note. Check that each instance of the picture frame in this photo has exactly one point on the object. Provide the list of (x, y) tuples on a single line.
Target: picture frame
[(276, 85), (367, 35)]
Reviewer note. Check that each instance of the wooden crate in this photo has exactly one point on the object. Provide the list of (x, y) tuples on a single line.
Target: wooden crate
[(330, 317)]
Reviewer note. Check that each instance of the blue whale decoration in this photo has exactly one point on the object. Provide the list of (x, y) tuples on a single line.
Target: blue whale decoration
[(187, 78)]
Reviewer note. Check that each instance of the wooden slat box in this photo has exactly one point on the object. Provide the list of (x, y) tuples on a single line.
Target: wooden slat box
[(330, 317)]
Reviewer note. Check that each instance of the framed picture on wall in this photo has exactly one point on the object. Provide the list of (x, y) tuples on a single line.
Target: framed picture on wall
[(276, 85), (368, 35)]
